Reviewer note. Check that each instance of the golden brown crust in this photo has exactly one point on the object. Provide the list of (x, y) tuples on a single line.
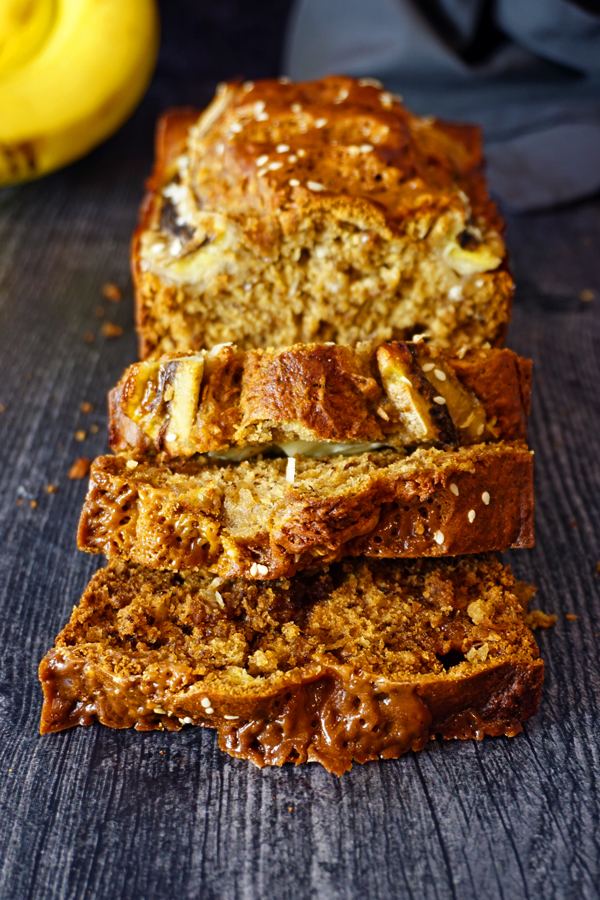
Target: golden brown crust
[(401, 183), (367, 661), (249, 520), (311, 392)]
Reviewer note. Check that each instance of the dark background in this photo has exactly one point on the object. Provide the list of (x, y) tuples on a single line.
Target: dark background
[(107, 814)]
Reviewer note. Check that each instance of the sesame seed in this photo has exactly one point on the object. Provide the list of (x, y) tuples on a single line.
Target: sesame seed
[(341, 96), (418, 337), (219, 598), (262, 117), (170, 436), (186, 720), (220, 148), (248, 85), (386, 100), (365, 148), (156, 248), (369, 82), (282, 80), (262, 159), (479, 283), (438, 537), (439, 400), (486, 346), (352, 149), (282, 148), (262, 171), (462, 352), (440, 375), (262, 570), (231, 717), (293, 182), (480, 430), (405, 380), (131, 464), (454, 489), (159, 711), (236, 128), (205, 702), (259, 107), (455, 292), (315, 186), (471, 515), (381, 412), (292, 158), (175, 247), (290, 472), (486, 498), (275, 165), (427, 367), (209, 710), (254, 570), (296, 108), (320, 122), (301, 152)]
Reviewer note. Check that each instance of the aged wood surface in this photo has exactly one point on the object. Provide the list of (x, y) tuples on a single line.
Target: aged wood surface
[(106, 814)]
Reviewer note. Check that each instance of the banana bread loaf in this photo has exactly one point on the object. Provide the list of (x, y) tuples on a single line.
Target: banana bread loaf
[(268, 518), (315, 398), (313, 212), (367, 660)]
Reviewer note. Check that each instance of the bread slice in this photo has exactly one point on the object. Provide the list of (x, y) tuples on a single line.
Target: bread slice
[(369, 659), (322, 211), (269, 518), (311, 398)]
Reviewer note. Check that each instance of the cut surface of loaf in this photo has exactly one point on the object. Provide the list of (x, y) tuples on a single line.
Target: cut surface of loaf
[(314, 398), (267, 518), (321, 211), (368, 660)]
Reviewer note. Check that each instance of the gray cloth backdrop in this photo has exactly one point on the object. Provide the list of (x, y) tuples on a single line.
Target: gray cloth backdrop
[(528, 71)]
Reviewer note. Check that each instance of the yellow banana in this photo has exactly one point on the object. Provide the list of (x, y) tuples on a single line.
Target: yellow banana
[(71, 72)]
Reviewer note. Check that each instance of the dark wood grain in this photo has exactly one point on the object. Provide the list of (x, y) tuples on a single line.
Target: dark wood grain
[(106, 814)]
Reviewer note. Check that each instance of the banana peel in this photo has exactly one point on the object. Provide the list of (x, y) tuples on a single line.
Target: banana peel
[(71, 72)]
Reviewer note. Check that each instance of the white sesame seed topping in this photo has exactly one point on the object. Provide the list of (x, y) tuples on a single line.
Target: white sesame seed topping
[(455, 292), (439, 400), (186, 720), (364, 238), (418, 337), (428, 367), (381, 412), (259, 107), (261, 160), (471, 515), (183, 161), (479, 283), (454, 489), (486, 346), (293, 182), (366, 148), (231, 717), (301, 152), (342, 95), (156, 248), (315, 186), (441, 376), (369, 82), (209, 710), (282, 80), (275, 165), (261, 117), (262, 171), (236, 127), (262, 570), (319, 123), (462, 352), (352, 150), (480, 430), (438, 537), (248, 85), (296, 108), (131, 464), (292, 158), (282, 148), (159, 711), (254, 570), (219, 598), (290, 472), (486, 498), (386, 99), (405, 380), (205, 702)]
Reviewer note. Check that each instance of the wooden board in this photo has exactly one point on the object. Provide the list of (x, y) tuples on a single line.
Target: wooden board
[(106, 814)]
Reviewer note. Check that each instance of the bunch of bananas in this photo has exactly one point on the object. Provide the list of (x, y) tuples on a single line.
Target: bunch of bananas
[(71, 72)]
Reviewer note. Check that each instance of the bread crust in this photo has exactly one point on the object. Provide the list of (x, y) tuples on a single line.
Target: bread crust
[(249, 520), (330, 706), (442, 160), (310, 392)]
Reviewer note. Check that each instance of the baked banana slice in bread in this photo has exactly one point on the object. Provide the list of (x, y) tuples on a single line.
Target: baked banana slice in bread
[(269, 518), (369, 659), (322, 211), (318, 399)]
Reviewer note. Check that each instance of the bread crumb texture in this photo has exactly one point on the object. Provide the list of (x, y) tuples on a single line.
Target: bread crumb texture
[(364, 660), (285, 214)]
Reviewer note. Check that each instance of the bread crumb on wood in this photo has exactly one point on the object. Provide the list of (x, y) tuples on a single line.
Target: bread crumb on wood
[(80, 468), (2, 408), (538, 619), (586, 296), (80, 435), (50, 488), (112, 292), (86, 407), (89, 337), (99, 312), (33, 503), (571, 617), (94, 429), (110, 330)]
